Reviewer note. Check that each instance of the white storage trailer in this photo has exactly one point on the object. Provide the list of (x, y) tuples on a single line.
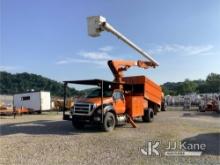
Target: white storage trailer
[(35, 101)]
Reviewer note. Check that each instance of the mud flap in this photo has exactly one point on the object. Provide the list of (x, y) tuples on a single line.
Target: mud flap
[(131, 121)]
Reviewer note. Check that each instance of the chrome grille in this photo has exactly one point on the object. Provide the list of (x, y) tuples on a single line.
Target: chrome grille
[(83, 108)]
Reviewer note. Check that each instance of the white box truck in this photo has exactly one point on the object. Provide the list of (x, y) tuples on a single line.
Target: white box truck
[(35, 101)]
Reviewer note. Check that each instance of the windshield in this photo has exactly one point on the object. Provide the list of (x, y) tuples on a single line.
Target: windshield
[(98, 93)]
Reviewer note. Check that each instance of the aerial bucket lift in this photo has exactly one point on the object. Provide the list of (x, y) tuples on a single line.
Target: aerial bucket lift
[(98, 24), (122, 100)]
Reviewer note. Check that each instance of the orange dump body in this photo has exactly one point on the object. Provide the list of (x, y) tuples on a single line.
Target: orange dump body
[(147, 91), (151, 91)]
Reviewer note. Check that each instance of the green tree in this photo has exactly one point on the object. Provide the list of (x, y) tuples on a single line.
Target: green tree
[(213, 82), (188, 87), (23, 82)]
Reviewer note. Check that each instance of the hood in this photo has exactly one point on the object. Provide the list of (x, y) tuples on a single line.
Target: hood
[(96, 100)]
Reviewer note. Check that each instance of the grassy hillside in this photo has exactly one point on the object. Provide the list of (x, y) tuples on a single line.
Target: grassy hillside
[(23, 82)]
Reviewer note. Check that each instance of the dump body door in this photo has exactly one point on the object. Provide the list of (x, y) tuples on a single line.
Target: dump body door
[(118, 101)]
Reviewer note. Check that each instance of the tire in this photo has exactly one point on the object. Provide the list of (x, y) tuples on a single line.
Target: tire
[(77, 124), (109, 122), (163, 108), (148, 115), (156, 110)]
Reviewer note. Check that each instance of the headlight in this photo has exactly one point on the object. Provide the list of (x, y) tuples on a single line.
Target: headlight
[(94, 106)]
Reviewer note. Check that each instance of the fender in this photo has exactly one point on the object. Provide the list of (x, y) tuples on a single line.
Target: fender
[(107, 108)]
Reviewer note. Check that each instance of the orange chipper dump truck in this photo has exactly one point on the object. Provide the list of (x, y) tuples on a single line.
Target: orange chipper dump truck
[(116, 103), (121, 100)]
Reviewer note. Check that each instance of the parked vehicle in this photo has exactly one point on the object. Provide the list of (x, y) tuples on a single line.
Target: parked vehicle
[(121, 100), (209, 104), (109, 105)]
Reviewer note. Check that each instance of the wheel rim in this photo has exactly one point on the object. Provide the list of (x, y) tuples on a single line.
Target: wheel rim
[(110, 122)]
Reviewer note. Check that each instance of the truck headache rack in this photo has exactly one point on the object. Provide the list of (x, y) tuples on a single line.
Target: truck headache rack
[(96, 82)]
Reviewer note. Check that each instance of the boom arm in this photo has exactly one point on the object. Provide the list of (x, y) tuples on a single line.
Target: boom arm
[(97, 24), (118, 66)]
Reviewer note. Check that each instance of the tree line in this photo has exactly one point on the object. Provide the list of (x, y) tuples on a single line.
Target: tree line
[(210, 85), (24, 82)]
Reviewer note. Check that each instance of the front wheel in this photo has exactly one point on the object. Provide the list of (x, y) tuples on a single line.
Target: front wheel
[(148, 115), (109, 122)]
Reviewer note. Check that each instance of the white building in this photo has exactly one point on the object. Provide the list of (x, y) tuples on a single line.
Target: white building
[(35, 101)]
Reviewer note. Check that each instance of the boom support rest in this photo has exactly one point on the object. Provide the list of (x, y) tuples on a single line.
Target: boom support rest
[(118, 66)]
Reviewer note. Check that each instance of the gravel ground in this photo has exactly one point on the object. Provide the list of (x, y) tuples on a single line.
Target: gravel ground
[(48, 140)]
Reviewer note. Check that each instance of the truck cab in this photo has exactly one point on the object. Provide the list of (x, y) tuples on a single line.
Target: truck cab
[(89, 109)]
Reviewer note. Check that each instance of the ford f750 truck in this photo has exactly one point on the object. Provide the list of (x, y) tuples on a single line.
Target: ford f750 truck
[(121, 100), (109, 105)]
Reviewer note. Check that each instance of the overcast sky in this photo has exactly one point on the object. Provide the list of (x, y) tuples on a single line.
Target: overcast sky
[(49, 37)]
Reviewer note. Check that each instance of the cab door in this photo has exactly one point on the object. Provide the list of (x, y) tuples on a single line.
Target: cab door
[(118, 101)]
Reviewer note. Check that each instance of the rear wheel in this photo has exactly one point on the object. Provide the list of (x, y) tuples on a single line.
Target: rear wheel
[(109, 122), (163, 107), (156, 110), (148, 115)]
